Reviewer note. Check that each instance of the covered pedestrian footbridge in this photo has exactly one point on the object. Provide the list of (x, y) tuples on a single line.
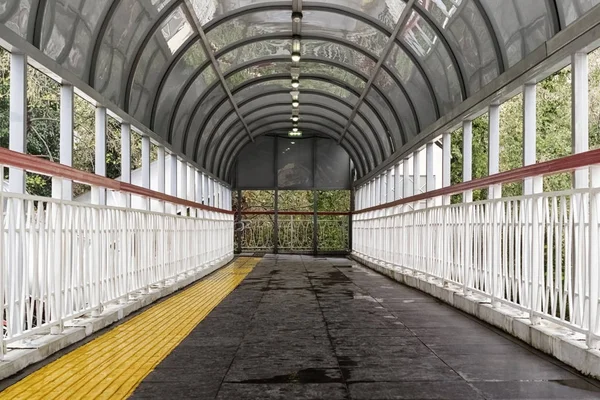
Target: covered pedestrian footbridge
[(358, 199)]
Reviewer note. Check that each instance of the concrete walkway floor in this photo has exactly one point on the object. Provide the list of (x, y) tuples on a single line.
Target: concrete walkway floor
[(309, 328)]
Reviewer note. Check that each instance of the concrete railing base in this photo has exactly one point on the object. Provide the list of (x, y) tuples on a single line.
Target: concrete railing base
[(560, 342), (37, 348)]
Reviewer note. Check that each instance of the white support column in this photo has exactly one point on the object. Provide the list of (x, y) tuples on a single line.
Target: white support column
[(146, 166), (467, 158), (407, 187), (532, 260), (531, 185), (494, 209), (382, 187), (211, 192), (494, 191), (398, 181), (579, 113), (417, 175), (63, 188), (390, 185), (161, 159), (100, 159), (191, 183), (429, 167), (172, 180), (18, 118), (446, 162), (126, 160)]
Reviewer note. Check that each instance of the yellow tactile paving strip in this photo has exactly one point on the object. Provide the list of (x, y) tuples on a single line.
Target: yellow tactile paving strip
[(113, 365)]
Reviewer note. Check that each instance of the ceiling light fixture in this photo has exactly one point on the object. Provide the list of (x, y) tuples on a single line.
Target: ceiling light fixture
[(296, 56), (295, 83), (295, 103)]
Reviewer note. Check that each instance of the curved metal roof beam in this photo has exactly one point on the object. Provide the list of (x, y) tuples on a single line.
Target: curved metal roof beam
[(285, 6), (266, 129), (352, 147), (167, 72), (315, 93), (92, 60), (36, 24), (439, 32), (141, 47), (284, 117), (207, 156), (225, 168), (286, 59), (498, 49), (285, 76)]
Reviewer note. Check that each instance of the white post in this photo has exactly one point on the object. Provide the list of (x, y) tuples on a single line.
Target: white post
[(446, 163), (63, 188), (430, 182), (172, 180), (390, 185), (18, 118), (417, 175), (161, 159), (467, 198), (579, 114), (100, 160), (495, 192), (126, 160), (398, 181), (407, 187), (467, 158), (146, 145), (532, 261)]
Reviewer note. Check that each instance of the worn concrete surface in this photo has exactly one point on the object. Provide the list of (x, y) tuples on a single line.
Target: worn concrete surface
[(307, 328)]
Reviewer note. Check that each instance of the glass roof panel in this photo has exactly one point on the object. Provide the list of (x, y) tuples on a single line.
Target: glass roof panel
[(198, 120), (414, 83), (315, 67), (196, 90), (386, 11), (467, 32), (207, 10), (435, 60), (344, 27), (208, 122), (264, 69), (573, 9), (338, 53), (253, 51), (384, 111), (522, 25), (15, 15), (174, 83), (172, 34), (126, 31), (249, 25), (68, 31), (392, 91)]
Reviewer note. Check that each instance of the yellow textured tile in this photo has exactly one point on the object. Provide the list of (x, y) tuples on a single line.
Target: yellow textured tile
[(114, 364)]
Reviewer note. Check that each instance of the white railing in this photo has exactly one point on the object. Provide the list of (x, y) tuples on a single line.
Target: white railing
[(60, 260), (537, 253)]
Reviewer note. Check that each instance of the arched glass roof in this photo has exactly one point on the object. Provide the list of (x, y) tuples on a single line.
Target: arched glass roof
[(209, 76)]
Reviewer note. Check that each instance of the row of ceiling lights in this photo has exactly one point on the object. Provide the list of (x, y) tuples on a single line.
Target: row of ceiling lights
[(295, 72)]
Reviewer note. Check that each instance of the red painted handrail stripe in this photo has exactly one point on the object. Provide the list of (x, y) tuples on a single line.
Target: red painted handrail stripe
[(564, 164), (49, 168), (271, 212)]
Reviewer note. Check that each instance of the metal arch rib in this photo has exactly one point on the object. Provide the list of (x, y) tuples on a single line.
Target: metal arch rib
[(225, 168), (167, 71), (385, 53), (225, 160), (34, 32), (267, 78), (279, 104), (231, 126), (500, 53), (98, 39), (458, 67), (284, 59), (555, 16), (189, 9), (139, 51), (201, 68), (314, 93), (281, 120)]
